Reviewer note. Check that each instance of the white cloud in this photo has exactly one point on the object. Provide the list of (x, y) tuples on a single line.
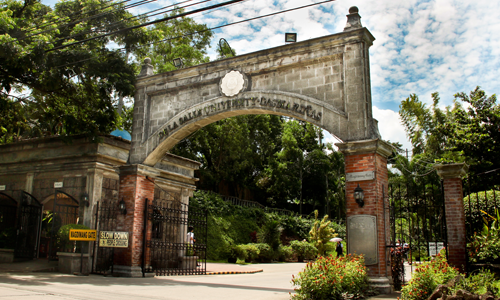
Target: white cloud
[(390, 126), (421, 46)]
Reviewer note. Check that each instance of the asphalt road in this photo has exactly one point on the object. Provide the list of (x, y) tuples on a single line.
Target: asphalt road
[(272, 283)]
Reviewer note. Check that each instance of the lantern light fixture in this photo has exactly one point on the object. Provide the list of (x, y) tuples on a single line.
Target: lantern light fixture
[(359, 196), (122, 207)]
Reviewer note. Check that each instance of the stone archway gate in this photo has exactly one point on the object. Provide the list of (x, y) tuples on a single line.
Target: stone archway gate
[(324, 81)]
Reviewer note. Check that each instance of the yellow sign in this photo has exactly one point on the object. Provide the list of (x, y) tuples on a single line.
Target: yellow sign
[(114, 239), (82, 235)]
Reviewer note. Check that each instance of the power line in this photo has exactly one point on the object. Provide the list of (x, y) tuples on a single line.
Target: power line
[(210, 29), (147, 24), (135, 17), (75, 13)]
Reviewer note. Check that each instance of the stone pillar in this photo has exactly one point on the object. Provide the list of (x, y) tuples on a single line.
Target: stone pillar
[(368, 230), (134, 189), (454, 210)]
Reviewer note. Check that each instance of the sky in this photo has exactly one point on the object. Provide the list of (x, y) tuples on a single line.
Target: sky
[(420, 47)]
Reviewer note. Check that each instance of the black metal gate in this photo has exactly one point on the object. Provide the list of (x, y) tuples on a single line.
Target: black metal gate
[(8, 216), (106, 217), (65, 212), (28, 229), (167, 250), (417, 223)]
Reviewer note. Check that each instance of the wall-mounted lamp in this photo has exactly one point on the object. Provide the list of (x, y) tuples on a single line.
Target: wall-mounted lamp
[(122, 207), (359, 196), (290, 37), (85, 199), (178, 62)]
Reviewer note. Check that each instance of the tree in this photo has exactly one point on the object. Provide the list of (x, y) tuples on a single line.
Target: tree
[(474, 131), (233, 152), (177, 38), (54, 90)]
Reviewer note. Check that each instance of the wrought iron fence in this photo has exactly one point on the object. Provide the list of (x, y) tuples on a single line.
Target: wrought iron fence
[(166, 228), (481, 201), (107, 212), (417, 222)]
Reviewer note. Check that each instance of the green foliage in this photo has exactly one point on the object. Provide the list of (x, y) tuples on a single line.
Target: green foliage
[(285, 253), (479, 284), (8, 238), (270, 234), (276, 160), (427, 277), (321, 233), (240, 251), (266, 254), (47, 91), (477, 206), (63, 241), (252, 252), (485, 246), (332, 278), (293, 226), (304, 250), (474, 133), (176, 38), (462, 133), (189, 249)]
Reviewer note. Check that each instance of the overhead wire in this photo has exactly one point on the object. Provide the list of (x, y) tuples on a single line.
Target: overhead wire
[(163, 9), (78, 13), (146, 24), (210, 29)]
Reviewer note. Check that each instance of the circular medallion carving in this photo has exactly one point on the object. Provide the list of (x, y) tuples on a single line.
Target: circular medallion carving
[(232, 83)]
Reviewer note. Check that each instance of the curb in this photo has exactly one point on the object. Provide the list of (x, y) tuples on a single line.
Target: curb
[(233, 272)]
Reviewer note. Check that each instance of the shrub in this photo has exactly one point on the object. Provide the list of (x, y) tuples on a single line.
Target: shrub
[(332, 278), (321, 233), (304, 250), (285, 253), (266, 254), (270, 234), (486, 245), (252, 252), (241, 252), (478, 284), (427, 277), (64, 244), (475, 205)]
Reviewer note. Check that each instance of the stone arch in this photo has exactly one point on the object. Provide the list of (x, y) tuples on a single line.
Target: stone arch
[(324, 81), (195, 117)]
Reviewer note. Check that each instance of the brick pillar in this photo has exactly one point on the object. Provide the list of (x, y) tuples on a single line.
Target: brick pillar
[(368, 228), (134, 189), (455, 215)]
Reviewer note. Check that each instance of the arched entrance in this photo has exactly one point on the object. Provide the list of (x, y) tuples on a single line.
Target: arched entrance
[(324, 81), (59, 209)]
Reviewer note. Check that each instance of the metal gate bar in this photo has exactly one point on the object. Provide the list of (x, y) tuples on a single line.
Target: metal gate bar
[(166, 250), (106, 220), (417, 221)]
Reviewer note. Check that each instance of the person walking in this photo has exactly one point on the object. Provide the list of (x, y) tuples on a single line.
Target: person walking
[(190, 235), (339, 249)]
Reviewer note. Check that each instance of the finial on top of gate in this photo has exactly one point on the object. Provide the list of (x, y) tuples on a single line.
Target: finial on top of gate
[(147, 68), (353, 19)]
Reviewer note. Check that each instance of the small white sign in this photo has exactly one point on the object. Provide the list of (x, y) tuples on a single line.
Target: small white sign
[(360, 176), (114, 239), (435, 248), (2, 187), (58, 185)]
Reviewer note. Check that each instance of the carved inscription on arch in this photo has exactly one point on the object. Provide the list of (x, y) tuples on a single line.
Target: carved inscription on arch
[(310, 110)]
